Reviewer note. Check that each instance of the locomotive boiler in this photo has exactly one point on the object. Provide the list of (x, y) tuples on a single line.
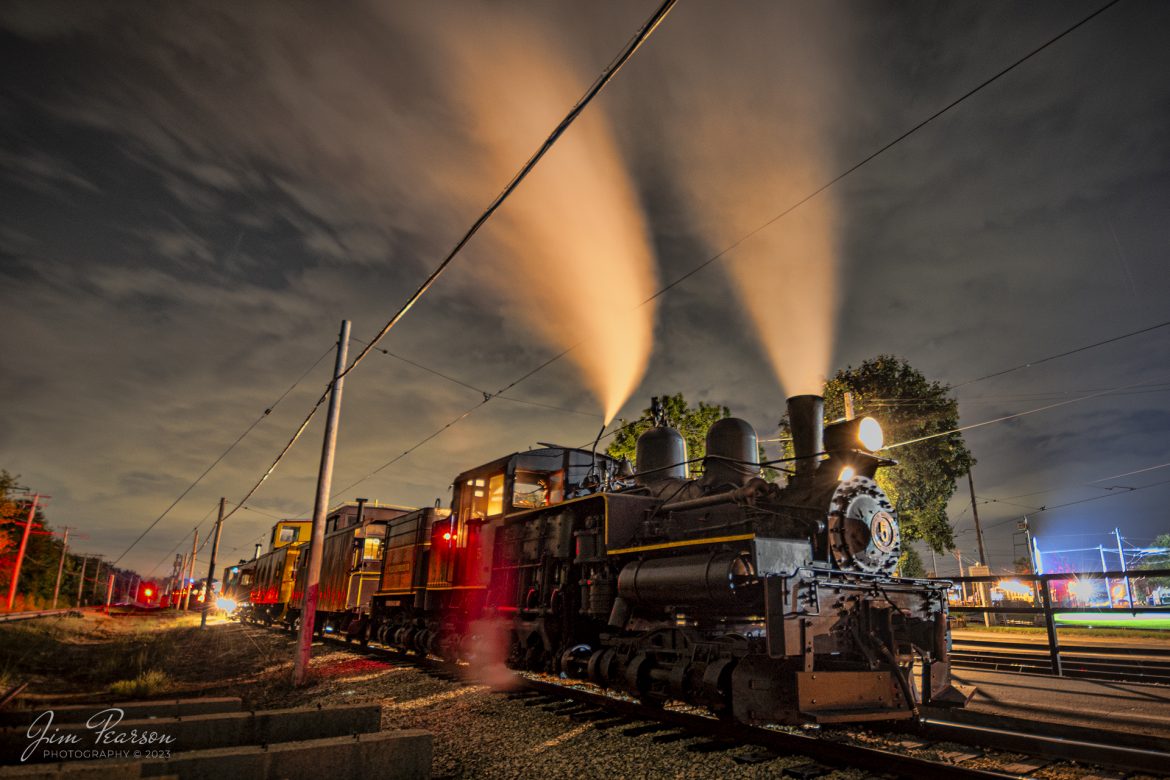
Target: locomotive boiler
[(763, 602)]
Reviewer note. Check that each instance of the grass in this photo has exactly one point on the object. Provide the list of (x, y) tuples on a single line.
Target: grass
[(148, 683), (1108, 620)]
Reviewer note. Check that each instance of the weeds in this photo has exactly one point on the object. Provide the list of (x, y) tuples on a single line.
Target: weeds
[(148, 683)]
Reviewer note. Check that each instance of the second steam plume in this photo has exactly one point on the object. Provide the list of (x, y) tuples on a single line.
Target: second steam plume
[(747, 137)]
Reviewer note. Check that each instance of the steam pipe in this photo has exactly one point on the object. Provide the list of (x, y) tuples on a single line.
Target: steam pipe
[(806, 417), (749, 491)]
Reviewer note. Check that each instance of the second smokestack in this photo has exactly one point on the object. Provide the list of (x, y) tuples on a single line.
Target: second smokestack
[(806, 417)]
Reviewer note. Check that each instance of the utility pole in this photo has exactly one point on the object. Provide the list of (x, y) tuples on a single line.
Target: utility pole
[(1104, 568), (32, 511), (61, 565), (110, 592), (1121, 556), (975, 513), (97, 575), (320, 506), (211, 566), (190, 576), (81, 579), (848, 404)]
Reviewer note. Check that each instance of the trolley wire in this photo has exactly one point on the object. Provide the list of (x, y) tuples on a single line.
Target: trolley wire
[(222, 455), (602, 80)]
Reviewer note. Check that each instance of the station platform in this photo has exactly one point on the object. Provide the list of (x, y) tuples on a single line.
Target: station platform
[(1114, 706)]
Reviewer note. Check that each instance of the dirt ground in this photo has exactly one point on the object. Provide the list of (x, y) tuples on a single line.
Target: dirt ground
[(68, 660), (478, 731)]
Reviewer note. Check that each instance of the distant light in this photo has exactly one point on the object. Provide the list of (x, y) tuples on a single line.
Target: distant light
[(235, 570), (148, 592), (846, 474), (227, 605), (1083, 590), (869, 431), (1014, 587), (448, 536)]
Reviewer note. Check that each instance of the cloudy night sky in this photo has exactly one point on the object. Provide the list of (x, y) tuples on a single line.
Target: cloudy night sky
[(193, 196)]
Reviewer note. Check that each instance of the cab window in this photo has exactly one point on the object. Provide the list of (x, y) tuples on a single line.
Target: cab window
[(372, 550), (533, 489)]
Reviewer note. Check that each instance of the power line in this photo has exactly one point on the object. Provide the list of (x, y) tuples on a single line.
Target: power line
[(874, 155), (222, 455), (638, 39), (479, 390), (1071, 351), (1005, 418), (606, 76)]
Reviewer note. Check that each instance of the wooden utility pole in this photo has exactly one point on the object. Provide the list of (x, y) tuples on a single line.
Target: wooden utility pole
[(207, 592), (81, 579), (189, 572), (61, 565), (110, 592), (32, 511), (97, 575), (975, 513), (320, 506)]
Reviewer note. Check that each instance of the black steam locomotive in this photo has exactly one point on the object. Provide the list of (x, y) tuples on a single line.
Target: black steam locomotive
[(762, 602)]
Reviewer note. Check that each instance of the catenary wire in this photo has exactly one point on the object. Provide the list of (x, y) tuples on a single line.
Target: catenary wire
[(606, 76), (634, 44), (222, 455)]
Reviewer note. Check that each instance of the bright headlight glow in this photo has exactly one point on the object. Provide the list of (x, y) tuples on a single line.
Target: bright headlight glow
[(870, 433), (227, 605), (846, 474)]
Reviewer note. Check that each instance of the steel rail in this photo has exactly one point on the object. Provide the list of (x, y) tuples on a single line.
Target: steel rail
[(1126, 750)]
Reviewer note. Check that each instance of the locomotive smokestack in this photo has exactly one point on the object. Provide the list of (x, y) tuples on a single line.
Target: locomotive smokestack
[(806, 416)]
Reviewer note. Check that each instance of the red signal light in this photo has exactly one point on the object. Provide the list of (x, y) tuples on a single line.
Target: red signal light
[(148, 592), (448, 536)]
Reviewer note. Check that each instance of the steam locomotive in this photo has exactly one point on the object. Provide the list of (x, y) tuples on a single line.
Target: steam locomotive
[(761, 602)]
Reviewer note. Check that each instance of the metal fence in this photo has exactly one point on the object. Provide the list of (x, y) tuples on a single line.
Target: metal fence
[(1044, 601)]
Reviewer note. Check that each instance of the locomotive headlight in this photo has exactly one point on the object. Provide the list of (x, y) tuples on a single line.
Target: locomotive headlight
[(846, 474), (869, 431), (860, 433)]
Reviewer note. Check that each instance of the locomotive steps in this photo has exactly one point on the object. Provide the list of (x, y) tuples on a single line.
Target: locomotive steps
[(210, 738)]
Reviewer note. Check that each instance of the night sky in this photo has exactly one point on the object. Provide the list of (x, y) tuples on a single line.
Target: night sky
[(193, 196)]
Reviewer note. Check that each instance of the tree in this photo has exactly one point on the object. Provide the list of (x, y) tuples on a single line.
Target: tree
[(692, 423), (10, 513), (910, 563), (1158, 561), (909, 407), (38, 572)]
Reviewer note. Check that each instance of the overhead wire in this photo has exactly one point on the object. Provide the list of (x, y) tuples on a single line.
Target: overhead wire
[(789, 209), (602, 80), (267, 411), (635, 43)]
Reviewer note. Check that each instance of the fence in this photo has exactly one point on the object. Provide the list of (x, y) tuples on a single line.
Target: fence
[(1043, 597)]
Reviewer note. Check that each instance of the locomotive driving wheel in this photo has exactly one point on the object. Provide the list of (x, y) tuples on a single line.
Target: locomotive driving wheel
[(862, 528)]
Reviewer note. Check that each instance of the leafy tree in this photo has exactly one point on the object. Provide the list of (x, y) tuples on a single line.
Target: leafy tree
[(692, 423), (909, 407), (38, 573), (1158, 561), (910, 564), (9, 513)]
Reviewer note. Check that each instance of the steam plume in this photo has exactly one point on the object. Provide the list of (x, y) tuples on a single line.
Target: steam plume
[(578, 263)]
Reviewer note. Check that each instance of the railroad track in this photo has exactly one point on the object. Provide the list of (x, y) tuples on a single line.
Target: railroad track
[(10, 617), (1116, 664), (992, 746)]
